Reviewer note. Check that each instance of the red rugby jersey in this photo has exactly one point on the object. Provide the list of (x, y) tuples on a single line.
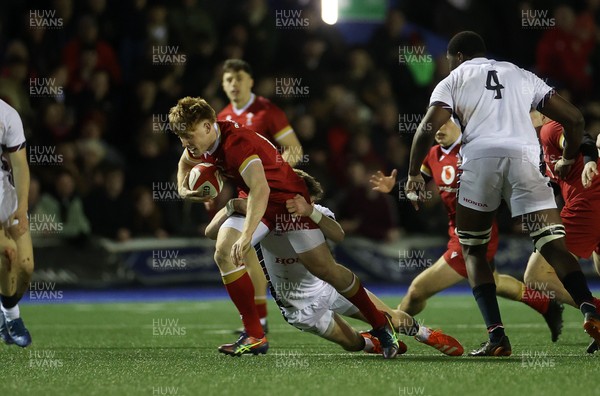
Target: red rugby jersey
[(575, 196), (237, 147), (259, 115)]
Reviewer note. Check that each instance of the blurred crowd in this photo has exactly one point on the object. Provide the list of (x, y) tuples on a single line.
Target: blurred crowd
[(92, 83)]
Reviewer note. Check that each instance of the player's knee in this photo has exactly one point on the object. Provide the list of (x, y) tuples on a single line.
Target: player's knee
[(474, 242), (415, 294), (549, 237), (222, 257), (8, 253)]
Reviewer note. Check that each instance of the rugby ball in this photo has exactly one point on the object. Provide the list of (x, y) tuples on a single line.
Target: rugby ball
[(206, 179)]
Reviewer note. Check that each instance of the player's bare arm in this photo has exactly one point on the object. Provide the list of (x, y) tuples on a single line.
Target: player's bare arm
[(20, 169), (437, 115), (258, 198), (558, 109), (237, 205), (330, 228), (292, 149)]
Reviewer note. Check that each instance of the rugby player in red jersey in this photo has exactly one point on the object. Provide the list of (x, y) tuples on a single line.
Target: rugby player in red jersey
[(580, 191), (255, 166), (441, 165), (264, 117)]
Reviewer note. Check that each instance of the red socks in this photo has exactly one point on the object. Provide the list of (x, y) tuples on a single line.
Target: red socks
[(241, 291), (358, 296), (536, 299)]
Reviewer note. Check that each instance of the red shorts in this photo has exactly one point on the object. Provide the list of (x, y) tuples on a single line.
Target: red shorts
[(583, 233), (454, 256)]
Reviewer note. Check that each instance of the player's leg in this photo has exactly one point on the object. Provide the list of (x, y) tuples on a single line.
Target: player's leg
[(540, 300), (596, 258), (23, 270), (434, 279), (348, 338), (259, 281), (409, 325), (316, 257), (548, 236), (8, 283), (241, 291), (474, 230), (539, 272)]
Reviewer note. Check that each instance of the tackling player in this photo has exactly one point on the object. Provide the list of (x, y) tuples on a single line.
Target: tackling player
[(255, 166), (580, 190), (264, 117), (312, 305), (441, 165), (16, 251), (491, 100)]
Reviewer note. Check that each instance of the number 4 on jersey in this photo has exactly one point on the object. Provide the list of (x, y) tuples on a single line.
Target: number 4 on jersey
[(493, 77)]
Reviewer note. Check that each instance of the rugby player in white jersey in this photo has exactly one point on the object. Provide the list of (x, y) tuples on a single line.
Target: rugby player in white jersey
[(500, 153), (16, 251), (312, 305)]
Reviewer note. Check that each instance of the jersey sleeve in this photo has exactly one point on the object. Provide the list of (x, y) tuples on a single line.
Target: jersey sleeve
[(241, 153), (551, 135), (442, 94), (539, 88), (13, 136), (278, 123), (325, 211), (425, 167)]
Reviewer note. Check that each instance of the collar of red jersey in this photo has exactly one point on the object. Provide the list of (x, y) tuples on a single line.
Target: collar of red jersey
[(451, 147), (216, 144), (245, 107)]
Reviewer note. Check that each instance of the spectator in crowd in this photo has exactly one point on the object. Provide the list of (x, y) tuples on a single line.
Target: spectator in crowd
[(147, 219), (63, 207)]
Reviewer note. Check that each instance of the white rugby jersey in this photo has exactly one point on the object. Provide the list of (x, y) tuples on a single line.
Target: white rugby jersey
[(294, 286), (12, 137), (491, 100)]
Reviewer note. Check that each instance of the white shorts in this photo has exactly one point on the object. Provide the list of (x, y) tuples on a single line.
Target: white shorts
[(485, 181), (318, 317), (237, 223), (305, 240), (8, 200)]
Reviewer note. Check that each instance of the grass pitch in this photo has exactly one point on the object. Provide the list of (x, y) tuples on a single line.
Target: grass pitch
[(169, 348)]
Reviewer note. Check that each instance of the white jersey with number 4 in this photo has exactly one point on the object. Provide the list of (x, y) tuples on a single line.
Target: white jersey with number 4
[(491, 100), (294, 286)]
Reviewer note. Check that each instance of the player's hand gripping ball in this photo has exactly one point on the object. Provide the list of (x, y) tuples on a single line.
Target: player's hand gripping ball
[(206, 180)]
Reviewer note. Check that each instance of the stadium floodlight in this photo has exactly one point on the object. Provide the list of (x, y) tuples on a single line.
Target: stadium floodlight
[(329, 11)]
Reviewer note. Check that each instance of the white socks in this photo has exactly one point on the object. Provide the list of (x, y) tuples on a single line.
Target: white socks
[(11, 313), (423, 334)]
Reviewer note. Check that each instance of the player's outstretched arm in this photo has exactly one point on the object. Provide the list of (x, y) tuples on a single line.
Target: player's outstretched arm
[(237, 205), (292, 148), (330, 228), (20, 169), (258, 198), (437, 115)]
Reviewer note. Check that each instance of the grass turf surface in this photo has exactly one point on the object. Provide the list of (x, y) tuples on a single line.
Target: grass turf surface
[(170, 349)]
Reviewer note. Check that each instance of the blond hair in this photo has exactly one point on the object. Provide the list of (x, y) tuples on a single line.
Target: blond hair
[(188, 112)]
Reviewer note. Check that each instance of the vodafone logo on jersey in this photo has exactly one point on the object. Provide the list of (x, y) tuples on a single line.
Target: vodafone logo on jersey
[(249, 117), (448, 174)]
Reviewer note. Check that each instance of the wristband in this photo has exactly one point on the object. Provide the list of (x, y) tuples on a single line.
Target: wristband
[(229, 206), (316, 216)]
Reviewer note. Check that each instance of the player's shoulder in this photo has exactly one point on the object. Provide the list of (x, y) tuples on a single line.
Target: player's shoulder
[(551, 132), (326, 211), (265, 103)]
